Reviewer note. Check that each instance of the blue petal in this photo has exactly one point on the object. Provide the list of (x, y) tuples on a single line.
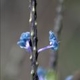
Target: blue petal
[(55, 46), (25, 36), (53, 40), (52, 35), (21, 43)]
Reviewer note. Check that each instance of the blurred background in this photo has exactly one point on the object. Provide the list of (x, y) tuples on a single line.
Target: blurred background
[(15, 63)]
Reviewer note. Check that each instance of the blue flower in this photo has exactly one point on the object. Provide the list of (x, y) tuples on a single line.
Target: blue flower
[(24, 40), (69, 77), (53, 40), (41, 72), (54, 44)]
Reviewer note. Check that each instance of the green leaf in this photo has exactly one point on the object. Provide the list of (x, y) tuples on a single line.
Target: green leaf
[(51, 75)]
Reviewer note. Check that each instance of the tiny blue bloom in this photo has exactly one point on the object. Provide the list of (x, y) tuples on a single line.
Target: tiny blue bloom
[(41, 71), (25, 36), (69, 77), (53, 40), (24, 39)]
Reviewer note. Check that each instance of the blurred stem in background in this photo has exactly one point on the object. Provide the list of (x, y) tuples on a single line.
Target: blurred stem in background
[(58, 24), (57, 30)]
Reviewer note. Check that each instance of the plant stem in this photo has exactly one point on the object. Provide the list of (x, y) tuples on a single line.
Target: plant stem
[(45, 48), (33, 25)]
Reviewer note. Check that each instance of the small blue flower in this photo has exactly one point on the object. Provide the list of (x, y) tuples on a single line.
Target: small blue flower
[(69, 77), (53, 40), (41, 72), (24, 40), (54, 44)]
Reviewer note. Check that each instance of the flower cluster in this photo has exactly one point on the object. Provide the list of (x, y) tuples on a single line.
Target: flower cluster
[(25, 41)]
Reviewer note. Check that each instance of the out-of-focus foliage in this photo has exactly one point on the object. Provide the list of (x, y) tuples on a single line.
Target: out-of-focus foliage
[(51, 75)]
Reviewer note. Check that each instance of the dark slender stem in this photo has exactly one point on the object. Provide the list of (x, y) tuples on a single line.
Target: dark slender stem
[(57, 29), (33, 26)]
